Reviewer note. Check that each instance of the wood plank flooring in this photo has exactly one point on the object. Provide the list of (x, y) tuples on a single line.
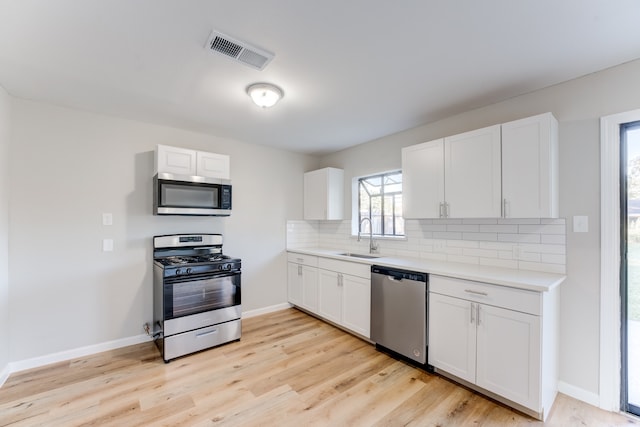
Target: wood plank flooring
[(289, 369)]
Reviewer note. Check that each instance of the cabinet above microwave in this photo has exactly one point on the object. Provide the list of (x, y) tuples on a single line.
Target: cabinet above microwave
[(183, 161)]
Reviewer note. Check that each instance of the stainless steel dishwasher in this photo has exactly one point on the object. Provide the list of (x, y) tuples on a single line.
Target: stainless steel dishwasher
[(399, 312)]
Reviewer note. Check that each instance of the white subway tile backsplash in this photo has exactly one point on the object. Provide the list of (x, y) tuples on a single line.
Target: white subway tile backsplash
[(504, 263), (526, 244), (501, 228), (486, 253), (541, 229), (447, 235), (464, 228), (490, 237), (480, 221), (519, 238), (518, 221)]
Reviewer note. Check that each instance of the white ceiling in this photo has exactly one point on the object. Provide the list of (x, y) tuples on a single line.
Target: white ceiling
[(352, 70)]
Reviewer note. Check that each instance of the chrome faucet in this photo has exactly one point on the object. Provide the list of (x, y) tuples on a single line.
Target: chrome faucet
[(373, 247)]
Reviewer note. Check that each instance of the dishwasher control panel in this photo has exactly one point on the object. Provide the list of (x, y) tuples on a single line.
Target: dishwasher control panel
[(399, 274)]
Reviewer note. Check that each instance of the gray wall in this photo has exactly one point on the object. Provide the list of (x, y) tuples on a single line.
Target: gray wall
[(67, 168), (578, 105), (5, 134)]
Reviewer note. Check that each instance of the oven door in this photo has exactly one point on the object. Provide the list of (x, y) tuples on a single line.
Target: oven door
[(188, 295)]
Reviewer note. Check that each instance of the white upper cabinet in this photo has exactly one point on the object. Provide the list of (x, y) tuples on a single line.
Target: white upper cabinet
[(456, 177), (324, 194), (423, 180), (508, 170), (530, 167), (472, 174), (179, 161), (183, 161), (213, 165)]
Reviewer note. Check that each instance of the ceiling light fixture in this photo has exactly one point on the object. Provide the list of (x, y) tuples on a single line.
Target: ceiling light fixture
[(264, 94)]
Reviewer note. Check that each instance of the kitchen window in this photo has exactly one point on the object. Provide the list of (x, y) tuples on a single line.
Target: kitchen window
[(380, 199)]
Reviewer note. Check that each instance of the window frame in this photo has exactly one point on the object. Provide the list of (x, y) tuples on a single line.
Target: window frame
[(393, 194)]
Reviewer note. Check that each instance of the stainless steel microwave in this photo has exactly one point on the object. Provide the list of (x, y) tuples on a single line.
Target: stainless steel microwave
[(191, 195)]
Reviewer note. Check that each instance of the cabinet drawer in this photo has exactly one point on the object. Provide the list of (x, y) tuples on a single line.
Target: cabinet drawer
[(310, 260), (200, 339), (485, 293), (346, 267)]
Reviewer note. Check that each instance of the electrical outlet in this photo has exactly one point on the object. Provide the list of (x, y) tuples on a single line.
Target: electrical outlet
[(516, 252)]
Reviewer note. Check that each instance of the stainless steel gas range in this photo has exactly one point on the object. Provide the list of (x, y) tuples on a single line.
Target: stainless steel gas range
[(196, 291)]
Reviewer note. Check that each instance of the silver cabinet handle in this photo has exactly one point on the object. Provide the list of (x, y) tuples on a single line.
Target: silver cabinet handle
[(446, 210), (299, 270), (504, 208), (300, 259), (441, 209), (478, 314), (471, 291), (471, 320)]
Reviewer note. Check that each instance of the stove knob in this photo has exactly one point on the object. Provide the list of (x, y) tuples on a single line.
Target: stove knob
[(188, 270), (227, 266), (220, 266), (178, 272)]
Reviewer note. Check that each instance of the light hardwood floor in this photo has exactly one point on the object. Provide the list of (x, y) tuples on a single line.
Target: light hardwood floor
[(289, 369)]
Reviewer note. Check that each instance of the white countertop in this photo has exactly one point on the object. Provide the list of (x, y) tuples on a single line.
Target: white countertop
[(521, 279)]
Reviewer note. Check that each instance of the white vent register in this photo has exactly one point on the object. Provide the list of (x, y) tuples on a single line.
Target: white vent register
[(239, 51)]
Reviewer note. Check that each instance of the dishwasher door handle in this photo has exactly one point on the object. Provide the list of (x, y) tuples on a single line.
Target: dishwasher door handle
[(394, 279)]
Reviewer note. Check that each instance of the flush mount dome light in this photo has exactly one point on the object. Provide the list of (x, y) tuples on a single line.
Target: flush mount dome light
[(264, 94)]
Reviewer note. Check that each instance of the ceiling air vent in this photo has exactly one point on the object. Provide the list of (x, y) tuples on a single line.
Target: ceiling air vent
[(242, 52)]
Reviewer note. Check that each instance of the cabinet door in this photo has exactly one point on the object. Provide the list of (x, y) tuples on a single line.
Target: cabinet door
[(310, 288), (529, 167), (452, 336), (423, 180), (179, 161), (508, 355), (213, 165), (294, 283), (473, 174), (356, 309), (330, 295)]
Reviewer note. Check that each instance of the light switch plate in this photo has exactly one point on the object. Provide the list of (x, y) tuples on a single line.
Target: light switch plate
[(107, 219), (107, 245), (580, 224)]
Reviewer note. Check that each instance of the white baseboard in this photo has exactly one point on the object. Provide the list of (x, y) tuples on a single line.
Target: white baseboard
[(265, 310), (579, 393), (37, 362), (4, 374)]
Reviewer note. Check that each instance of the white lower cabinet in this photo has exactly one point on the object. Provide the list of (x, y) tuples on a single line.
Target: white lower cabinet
[(302, 281), (494, 337), (338, 291), (346, 300)]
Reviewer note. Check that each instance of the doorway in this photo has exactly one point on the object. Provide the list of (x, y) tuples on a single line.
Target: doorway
[(630, 265)]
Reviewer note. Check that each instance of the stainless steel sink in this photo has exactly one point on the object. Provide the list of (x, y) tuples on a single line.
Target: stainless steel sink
[(359, 255)]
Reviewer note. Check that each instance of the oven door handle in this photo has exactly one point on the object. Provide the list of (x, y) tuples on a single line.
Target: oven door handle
[(203, 276)]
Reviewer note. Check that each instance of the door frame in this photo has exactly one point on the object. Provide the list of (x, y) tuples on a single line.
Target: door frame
[(610, 308)]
